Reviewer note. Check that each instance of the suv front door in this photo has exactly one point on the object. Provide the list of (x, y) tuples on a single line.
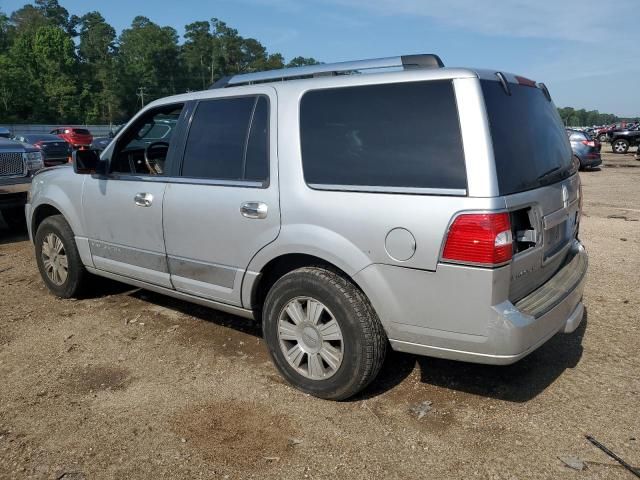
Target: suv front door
[(123, 209), (224, 205)]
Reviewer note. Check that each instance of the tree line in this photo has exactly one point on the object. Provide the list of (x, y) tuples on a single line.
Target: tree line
[(56, 67), (583, 118)]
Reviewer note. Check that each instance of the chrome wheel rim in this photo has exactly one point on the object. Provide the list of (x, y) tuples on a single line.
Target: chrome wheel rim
[(310, 338), (54, 259), (620, 146)]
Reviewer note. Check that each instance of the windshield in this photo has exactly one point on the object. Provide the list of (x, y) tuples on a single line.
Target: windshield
[(530, 145)]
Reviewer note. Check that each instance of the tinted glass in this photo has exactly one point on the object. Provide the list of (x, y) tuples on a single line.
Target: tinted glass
[(530, 145), (81, 131), (216, 144), (45, 137), (257, 156), (393, 135)]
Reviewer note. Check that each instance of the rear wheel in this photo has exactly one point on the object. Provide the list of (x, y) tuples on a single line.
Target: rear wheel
[(58, 259), (323, 335), (14, 217), (620, 146), (602, 138)]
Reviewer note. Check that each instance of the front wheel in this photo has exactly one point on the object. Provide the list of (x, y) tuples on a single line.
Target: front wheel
[(323, 334), (603, 137), (58, 259), (620, 146)]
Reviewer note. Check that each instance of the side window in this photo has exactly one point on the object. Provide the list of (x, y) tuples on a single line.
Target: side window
[(228, 140), (399, 135), (143, 147)]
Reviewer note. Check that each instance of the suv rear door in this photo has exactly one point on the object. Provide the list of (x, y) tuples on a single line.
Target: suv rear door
[(537, 176), (224, 207)]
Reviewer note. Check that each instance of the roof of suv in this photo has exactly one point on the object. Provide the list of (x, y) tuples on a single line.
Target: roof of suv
[(381, 70)]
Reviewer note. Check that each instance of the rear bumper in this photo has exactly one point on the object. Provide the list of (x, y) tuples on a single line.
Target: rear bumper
[(509, 332)]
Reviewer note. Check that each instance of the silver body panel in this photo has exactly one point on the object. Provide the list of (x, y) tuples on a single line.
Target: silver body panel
[(194, 242)]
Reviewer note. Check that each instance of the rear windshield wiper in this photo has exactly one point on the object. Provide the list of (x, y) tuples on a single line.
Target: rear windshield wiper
[(549, 173)]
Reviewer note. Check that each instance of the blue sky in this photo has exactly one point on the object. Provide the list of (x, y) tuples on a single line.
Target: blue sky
[(585, 51)]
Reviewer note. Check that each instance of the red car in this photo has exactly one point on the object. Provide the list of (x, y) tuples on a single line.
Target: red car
[(76, 137)]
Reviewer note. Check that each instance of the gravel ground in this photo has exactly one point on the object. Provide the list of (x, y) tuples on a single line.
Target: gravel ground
[(129, 384)]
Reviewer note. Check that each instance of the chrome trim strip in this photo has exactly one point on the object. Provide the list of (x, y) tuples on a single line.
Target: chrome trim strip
[(242, 312), (129, 255), (221, 275), (459, 192), (183, 180), (552, 219)]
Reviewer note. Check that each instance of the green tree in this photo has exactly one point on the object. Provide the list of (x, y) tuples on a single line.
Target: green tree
[(302, 61), (54, 52), (99, 98), (149, 58)]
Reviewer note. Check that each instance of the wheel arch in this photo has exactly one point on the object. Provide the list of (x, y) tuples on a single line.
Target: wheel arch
[(300, 246), (40, 213)]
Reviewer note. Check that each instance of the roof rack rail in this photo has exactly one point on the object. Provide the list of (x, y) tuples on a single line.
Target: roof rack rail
[(407, 62)]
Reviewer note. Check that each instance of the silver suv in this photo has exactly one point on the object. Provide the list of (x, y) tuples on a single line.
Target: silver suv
[(349, 207)]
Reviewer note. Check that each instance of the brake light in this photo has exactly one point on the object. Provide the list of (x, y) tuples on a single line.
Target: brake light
[(525, 81), (479, 239), (589, 143)]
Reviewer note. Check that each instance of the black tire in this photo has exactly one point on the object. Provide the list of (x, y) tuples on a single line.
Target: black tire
[(620, 145), (15, 218), (364, 342), (77, 275), (603, 137)]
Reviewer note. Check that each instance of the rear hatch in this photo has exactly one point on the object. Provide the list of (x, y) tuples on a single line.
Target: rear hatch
[(81, 136), (538, 178)]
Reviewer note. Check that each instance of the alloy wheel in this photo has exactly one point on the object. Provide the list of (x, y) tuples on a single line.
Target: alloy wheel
[(310, 338), (54, 259), (620, 147)]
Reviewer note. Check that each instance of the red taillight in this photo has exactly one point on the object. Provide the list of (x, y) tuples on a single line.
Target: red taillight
[(479, 238), (525, 81), (589, 143)]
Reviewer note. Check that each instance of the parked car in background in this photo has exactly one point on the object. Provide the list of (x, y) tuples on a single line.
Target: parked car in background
[(5, 133), (622, 140), (18, 164), (55, 151), (76, 137), (258, 197), (100, 143), (585, 148)]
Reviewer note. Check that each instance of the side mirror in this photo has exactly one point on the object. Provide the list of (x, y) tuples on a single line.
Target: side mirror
[(86, 162)]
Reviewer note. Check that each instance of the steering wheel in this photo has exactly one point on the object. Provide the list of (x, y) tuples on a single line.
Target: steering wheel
[(155, 165)]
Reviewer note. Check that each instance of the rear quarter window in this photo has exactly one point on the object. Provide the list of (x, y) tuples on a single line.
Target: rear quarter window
[(530, 143), (401, 135)]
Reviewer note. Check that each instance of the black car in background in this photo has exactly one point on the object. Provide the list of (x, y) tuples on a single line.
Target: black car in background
[(55, 151), (585, 148), (622, 140)]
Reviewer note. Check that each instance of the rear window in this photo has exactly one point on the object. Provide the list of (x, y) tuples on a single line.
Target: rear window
[(403, 135), (530, 145), (81, 131), (578, 136)]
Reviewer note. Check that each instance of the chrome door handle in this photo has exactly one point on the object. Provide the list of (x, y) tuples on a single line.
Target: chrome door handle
[(143, 199), (254, 210)]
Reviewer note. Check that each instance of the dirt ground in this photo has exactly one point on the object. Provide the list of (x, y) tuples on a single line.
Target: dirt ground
[(130, 384)]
